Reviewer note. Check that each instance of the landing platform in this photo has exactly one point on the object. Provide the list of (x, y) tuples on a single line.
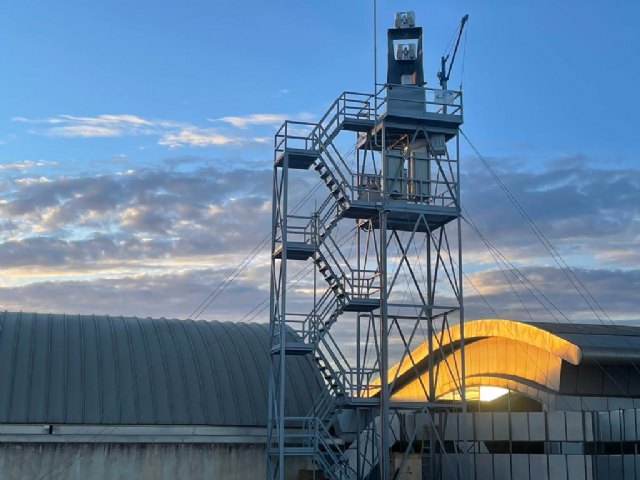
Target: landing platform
[(299, 158), (361, 305), (401, 215), (295, 251), (293, 348)]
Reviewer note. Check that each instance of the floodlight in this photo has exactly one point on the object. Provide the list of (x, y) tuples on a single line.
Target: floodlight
[(406, 51), (405, 19)]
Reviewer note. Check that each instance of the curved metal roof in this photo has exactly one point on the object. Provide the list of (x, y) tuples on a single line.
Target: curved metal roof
[(599, 343), (536, 359), (84, 369)]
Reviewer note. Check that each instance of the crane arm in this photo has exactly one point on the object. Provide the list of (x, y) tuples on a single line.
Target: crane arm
[(444, 74)]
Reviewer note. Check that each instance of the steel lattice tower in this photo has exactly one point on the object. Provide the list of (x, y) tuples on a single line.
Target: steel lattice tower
[(386, 249)]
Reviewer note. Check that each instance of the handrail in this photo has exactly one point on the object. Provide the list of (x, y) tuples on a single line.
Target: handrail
[(338, 170), (436, 101), (434, 191)]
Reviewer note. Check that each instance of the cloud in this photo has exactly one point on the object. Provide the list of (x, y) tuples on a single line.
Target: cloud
[(99, 126), (198, 137), (588, 213), (614, 290), (143, 214), (254, 119), (161, 238), (24, 164), (174, 294), (172, 134)]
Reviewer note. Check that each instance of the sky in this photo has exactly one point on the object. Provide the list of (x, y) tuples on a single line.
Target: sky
[(136, 146)]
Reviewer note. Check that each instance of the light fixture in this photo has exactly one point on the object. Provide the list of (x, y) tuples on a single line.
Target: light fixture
[(405, 19), (406, 51)]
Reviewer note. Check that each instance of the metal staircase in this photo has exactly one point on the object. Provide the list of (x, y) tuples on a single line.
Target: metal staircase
[(386, 209)]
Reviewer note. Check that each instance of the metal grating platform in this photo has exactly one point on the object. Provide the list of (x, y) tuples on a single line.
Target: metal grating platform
[(299, 158)]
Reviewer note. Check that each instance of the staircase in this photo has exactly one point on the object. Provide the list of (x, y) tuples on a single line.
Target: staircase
[(314, 433)]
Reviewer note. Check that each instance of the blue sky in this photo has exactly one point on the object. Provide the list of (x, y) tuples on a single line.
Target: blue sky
[(134, 136)]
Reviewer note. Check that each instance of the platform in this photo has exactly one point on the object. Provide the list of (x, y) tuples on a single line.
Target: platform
[(401, 215), (295, 251), (299, 158)]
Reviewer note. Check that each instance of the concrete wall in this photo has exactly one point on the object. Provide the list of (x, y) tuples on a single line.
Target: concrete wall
[(97, 461)]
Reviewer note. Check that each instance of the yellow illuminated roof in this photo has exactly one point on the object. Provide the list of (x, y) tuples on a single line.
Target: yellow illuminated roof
[(498, 353)]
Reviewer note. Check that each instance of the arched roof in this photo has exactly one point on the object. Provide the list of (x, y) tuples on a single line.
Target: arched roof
[(86, 369), (526, 357)]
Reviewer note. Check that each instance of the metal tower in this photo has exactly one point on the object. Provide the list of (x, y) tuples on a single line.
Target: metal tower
[(365, 274)]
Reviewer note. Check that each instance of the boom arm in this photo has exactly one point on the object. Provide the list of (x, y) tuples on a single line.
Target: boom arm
[(443, 74)]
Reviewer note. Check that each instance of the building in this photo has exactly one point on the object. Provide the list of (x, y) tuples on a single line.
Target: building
[(85, 397), (98, 397), (563, 403)]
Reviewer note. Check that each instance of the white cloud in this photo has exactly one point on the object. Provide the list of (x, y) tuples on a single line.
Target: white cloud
[(171, 134), (87, 131), (107, 125), (245, 121), (272, 119), (197, 137), (23, 165)]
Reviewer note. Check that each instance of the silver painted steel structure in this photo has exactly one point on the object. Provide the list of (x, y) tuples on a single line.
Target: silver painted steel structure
[(385, 247)]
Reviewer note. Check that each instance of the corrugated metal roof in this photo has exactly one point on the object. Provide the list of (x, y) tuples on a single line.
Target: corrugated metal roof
[(589, 329), (598, 342), (84, 369)]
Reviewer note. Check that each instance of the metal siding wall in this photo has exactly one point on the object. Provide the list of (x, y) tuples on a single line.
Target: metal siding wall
[(558, 467), (557, 426), (520, 466), (57, 371), (145, 381), (133, 461), (231, 406), (575, 426), (500, 426), (484, 466), (483, 426), (39, 390), (576, 467), (501, 467), (537, 431), (519, 427), (20, 391), (538, 469), (91, 373), (111, 397), (213, 400), (162, 394), (128, 379), (196, 371), (629, 425), (180, 411), (74, 389)]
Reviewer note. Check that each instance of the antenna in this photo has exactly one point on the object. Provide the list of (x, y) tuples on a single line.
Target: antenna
[(443, 74)]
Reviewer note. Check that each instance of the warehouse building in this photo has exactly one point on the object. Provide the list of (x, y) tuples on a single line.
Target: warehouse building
[(98, 397), (561, 401), (88, 397)]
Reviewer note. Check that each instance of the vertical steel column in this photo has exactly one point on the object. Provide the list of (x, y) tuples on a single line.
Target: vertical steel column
[(384, 350), (282, 313), (463, 369), (272, 325)]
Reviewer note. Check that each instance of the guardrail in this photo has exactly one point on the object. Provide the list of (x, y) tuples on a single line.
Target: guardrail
[(433, 101), (374, 187)]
